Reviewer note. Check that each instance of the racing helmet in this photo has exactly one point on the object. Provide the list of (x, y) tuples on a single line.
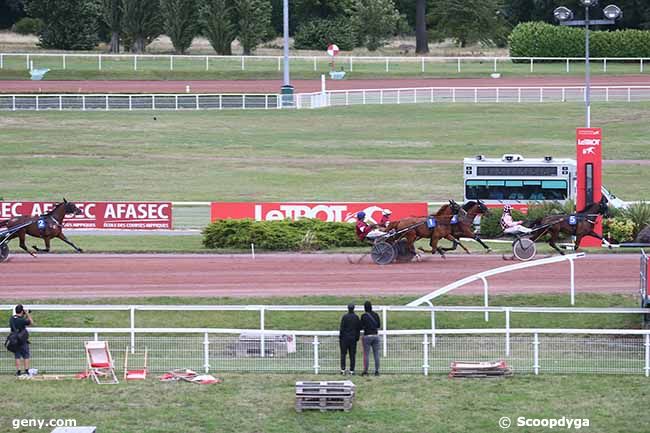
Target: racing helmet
[(386, 212), (507, 208), (361, 215)]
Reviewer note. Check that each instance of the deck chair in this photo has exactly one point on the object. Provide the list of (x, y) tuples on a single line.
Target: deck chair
[(139, 372), (100, 363)]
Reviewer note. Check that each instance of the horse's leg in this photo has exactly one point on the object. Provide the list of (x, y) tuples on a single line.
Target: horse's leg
[(480, 241), (597, 236), (551, 242), (453, 239), (64, 239), (21, 242), (46, 240)]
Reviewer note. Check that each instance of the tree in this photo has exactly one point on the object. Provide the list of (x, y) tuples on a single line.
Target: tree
[(217, 18), (10, 12), (142, 22), (421, 35), (181, 22), (467, 21), (67, 24), (253, 21), (112, 15), (375, 20)]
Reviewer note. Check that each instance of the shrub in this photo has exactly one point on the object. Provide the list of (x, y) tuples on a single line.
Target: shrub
[(286, 235), (538, 39), (618, 229), (491, 223), (319, 33), (639, 214), (28, 26)]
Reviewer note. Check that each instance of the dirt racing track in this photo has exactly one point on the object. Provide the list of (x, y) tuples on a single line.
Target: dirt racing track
[(113, 275)]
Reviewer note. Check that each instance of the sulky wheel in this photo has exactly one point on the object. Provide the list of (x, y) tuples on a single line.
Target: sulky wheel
[(4, 252), (383, 253), (524, 249)]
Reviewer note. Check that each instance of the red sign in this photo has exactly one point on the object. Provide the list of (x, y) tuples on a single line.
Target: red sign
[(589, 172), (521, 207), (101, 215), (331, 212), (332, 50)]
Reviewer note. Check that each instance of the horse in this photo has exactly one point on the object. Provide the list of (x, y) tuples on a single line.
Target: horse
[(465, 226), (46, 226), (420, 229), (580, 224)]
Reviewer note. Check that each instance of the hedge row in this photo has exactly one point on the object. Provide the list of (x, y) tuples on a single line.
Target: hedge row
[(286, 235), (318, 34), (538, 39)]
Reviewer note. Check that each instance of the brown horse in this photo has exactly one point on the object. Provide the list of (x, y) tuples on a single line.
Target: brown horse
[(464, 228), (420, 229), (46, 226), (580, 224)]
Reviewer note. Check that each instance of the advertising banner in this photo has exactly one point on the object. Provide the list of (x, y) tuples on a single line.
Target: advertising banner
[(589, 172), (101, 215), (330, 211)]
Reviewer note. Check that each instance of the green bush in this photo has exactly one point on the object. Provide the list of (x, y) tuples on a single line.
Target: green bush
[(491, 223), (319, 33), (286, 235), (28, 26), (618, 229), (639, 214), (538, 39)]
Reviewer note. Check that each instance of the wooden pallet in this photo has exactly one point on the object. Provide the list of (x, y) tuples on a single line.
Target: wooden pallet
[(324, 396), (480, 369)]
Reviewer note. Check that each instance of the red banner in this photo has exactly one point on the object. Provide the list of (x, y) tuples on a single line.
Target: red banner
[(101, 215), (331, 212), (589, 172)]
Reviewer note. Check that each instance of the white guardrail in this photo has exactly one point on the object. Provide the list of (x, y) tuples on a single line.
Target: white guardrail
[(457, 64)]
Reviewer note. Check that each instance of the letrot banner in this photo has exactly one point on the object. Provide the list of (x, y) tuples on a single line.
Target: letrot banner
[(589, 160), (100, 215), (330, 211)]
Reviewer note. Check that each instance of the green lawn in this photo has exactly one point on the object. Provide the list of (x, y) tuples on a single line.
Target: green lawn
[(358, 153), (194, 67), (265, 403)]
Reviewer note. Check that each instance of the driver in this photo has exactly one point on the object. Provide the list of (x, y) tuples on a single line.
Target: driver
[(364, 230), (510, 226), (385, 218)]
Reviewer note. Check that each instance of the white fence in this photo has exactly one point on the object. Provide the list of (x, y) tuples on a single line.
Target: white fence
[(473, 95), (144, 62), (104, 102), (414, 351)]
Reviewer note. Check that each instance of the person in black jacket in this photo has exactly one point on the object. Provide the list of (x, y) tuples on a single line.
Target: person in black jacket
[(17, 323), (370, 323), (349, 332)]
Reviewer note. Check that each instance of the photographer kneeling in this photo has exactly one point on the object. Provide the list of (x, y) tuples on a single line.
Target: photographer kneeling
[(18, 322)]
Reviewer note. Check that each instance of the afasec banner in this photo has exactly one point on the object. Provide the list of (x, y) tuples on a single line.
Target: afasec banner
[(101, 215), (331, 212)]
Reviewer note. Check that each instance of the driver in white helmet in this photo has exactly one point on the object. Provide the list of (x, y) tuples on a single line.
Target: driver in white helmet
[(509, 225), (385, 218)]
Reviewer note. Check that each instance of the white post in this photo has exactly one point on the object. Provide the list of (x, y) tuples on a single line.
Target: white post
[(641, 66), (135, 62), (385, 340), (130, 103), (458, 67), (381, 96), (243, 66), (99, 61), (63, 61), (495, 64), (243, 102), (252, 250), (432, 95), (262, 336), (207, 63), (647, 355), (153, 102), (266, 107), (425, 350), (422, 68), (206, 353), (563, 94), (96, 335), (347, 98), (36, 102), (351, 64), (573, 284), (433, 328), (60, 102), (279, 64), (220, 102), (106, 102), (518, 94), (605, 65), (386, 64), (13, 102), (315, 64), (398, 93), (475, 95), (83, 102), (485, 297), (531, 64), (497, 95), (315, 343), (567, 65), (507, 311), (364, 97), (2, 64), (453, 94), (629, 94), (132, 318), (541, 94), (27, 60), (606, 94), (196, 101), (171, 63), (176, 102), (536, 353)]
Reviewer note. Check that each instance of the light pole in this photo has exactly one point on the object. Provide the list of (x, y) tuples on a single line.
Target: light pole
[(565, 16), (287, 88)]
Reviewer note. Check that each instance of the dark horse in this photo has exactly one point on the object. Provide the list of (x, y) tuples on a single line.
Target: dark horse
[(464, 228), (580, 224), (47, 226), (420, 229)]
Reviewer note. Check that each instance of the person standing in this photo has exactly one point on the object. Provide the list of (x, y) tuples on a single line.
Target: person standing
[(18, 322), (349, 332), (370, 323)]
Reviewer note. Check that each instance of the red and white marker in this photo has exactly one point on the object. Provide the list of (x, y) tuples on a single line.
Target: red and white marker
[(332, 50)]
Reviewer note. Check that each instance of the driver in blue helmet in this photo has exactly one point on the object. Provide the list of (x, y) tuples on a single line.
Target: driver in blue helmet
[(366, 231)]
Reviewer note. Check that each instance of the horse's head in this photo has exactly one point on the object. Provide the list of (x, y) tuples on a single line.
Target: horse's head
[(483, 209), (71, 208), (455, 207), (603, 208)]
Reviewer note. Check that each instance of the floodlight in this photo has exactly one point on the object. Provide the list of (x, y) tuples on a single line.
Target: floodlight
[(562, 13), (589, 3), (612, 12)]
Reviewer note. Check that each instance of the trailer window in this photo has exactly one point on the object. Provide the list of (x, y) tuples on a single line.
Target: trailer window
[(516, 189)]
